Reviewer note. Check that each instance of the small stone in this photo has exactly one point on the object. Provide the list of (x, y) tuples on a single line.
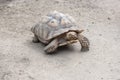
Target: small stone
[(109, 18), (100, 34), (102, 78), (87, 30), (56, 2), (92, 22), (9, 0), (111, 70)]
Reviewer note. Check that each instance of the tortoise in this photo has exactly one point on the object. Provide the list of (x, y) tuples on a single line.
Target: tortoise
[(57, 29)]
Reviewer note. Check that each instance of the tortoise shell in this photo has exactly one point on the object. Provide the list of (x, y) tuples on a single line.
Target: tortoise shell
[(53, 25)]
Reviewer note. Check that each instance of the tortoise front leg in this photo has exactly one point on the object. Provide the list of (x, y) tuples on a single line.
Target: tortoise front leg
[(35, 39), (52, 46), (84, 42)]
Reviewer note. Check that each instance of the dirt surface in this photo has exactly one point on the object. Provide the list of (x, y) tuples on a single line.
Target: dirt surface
[(20, 59)]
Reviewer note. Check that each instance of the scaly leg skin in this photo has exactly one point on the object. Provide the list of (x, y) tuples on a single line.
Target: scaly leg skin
[(35, 39), (52, 46), (84, 43)]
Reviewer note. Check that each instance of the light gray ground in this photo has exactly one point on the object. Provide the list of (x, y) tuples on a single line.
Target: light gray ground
[(20, 59)]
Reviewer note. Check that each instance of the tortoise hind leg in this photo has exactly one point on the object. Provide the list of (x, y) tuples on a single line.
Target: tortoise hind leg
[(52, 46), (84, 42), (35, 39)]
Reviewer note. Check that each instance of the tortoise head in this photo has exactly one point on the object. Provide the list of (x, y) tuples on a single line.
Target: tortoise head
[(73, 35)]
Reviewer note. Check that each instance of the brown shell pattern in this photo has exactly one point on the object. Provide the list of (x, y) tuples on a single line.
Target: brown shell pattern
[(54, 24)]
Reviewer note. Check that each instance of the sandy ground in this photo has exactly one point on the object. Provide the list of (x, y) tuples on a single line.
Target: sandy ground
[(20, 59)]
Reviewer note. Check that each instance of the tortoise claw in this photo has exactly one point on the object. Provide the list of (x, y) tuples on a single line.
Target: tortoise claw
[(84, 49)]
